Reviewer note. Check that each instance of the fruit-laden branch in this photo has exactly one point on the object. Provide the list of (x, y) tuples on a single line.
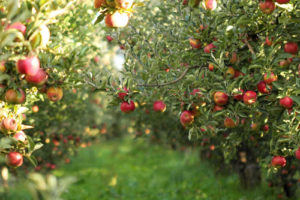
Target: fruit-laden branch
[(171, 82)]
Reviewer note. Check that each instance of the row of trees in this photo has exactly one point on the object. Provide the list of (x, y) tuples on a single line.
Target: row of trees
[(228, 71)]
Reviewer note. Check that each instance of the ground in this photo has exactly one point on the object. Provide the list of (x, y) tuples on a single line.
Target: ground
[(128, 169)]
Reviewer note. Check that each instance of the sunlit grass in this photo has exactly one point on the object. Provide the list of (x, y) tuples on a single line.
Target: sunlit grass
[(134, 170)]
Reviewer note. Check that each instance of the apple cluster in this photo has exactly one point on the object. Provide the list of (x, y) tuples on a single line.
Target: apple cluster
[(117, 12)]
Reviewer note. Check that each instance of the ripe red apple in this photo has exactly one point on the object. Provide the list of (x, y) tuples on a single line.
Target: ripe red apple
[(238, 73), (116, 20), (126, 4), (229, 123), (20, 136), (18, 26), (10, 96), (278, 161), (14, 159), (2, 66), (185, 2), (54, 93), (109, 38), (9, 124), (282, 1), (218, 108), (211, 67), (286, 102), (208, 48), (15, 96), (210, 4), (297, 153), (159, 106), (238, 93), (39, 78), (269, 78), (264, 88), (268, 41), (220, 98), (266, 128), (29, 65), (195, 43), (267, 7), (127, 107), (96, 59), (99, 3), (249, 97), (41, 38), (186, 118), (291, 47)]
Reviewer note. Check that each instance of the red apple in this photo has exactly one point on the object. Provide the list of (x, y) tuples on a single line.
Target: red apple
[(185, 2), (264, 88), (220, 98), (9, 124), (229, 123), (297, 153), (283, 63), (291, 47), (54, 93), (278, 161), (218, 108), (14, 159), (109, 38), (268, 41), (116, 20), (125, 4), (159, 106), (20, 136), (282, 1), (186, 118), (39, 78), (29, 65), (18, 26), (267, 7), (249, 97), (266, 128), (210, 4), (96, 59), (208, 48), (15, 96), (127, 107), (269, 78), (238, 93), (211, 67), (99, 3), (196, 44), (286, 102)]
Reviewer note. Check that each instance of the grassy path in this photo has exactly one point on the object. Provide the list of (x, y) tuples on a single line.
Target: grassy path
[(135, 170)]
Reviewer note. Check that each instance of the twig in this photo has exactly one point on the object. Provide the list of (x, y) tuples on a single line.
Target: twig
[(171, 82), (249, 46)]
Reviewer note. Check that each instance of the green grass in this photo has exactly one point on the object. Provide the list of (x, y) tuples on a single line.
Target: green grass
[(135, 170)]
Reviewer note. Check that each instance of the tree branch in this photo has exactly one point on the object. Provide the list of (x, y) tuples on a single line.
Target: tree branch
[(249, 46), (171, 82)]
